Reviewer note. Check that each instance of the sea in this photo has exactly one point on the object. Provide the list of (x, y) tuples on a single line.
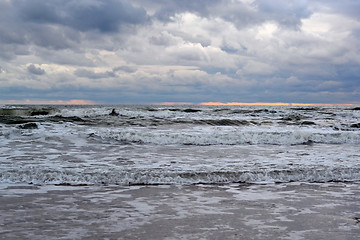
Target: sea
[(178, 144), (179, 172)]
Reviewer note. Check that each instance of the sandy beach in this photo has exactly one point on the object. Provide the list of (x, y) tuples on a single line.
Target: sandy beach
[(235, 211)]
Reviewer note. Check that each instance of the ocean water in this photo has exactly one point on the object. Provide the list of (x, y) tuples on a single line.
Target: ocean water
[(178, 145)]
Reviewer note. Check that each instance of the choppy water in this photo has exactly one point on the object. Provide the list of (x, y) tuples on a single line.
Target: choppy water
[(178, 144)]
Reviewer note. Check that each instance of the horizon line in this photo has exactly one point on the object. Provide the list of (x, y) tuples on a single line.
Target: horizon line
[(90, 102), (256, 104)]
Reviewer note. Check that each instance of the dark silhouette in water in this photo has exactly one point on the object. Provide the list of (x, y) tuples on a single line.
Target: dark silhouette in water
[(114, 113)]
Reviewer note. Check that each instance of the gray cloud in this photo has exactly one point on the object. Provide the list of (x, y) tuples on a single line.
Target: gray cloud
[(345, 7), (35, 70), (286, 13), (126, 69), (242, 13), (93, 75), (104, 15), (62, 24), (54, 37), (204, 50)]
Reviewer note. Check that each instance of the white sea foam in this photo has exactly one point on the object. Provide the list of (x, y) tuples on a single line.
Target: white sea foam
[(229, 136), (180, 145), (160, 176)]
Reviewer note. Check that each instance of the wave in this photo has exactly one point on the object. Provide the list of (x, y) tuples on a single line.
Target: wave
[(26, 111), (163, 176), (230, 136), (223, 122)]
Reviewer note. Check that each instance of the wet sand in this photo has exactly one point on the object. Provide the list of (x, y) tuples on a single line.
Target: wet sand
[(277, 211)]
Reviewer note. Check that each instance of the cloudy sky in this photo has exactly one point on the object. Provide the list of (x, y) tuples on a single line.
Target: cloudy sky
[(142, 51)]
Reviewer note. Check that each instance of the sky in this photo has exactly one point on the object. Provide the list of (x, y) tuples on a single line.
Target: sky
[(142, 51)]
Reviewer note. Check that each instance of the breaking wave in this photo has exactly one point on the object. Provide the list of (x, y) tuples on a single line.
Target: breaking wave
[(229, 137), (163, 176)]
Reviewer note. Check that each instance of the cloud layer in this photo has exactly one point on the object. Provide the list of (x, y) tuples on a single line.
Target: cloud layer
[(140, 51)]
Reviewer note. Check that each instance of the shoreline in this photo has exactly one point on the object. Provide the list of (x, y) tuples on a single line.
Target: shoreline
[(228, 211)]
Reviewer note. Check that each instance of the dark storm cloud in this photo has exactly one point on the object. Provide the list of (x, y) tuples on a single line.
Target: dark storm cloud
[(35, 70), (53, 37), (104, 15), (9, 31), (59, 24)]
